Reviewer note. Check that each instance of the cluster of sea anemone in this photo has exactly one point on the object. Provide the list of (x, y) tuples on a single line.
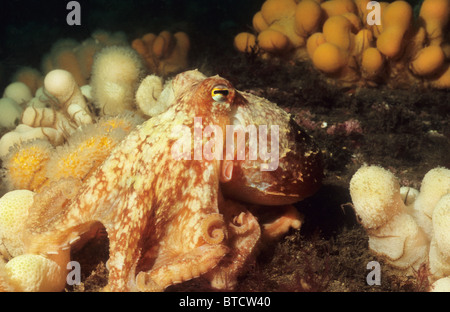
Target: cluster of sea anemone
[(409, 228), (65, 138), (162, 54), (60, 128), (357, 42), (82, 82), (67, 125)]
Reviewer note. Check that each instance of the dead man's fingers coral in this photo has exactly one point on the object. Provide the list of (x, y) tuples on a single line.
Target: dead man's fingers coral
[(165, 53), (434, 14), (245, 42), (308, 15), (428, 60), (401, 50), (177, 58), (396, 22)]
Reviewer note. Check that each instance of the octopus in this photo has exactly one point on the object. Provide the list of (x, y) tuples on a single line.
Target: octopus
[(172, 217)]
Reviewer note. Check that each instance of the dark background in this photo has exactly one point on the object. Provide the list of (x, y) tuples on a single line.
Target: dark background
[(28, 28)]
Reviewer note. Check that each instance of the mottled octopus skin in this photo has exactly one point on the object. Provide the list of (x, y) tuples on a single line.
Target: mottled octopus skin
[(166, 219), (299, 172)]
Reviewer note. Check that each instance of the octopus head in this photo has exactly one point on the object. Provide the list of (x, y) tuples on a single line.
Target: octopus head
[(207, 97), (268, 159), (292, 169)]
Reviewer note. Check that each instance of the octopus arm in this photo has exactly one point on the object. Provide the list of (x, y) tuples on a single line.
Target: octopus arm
[(181, 268), (243, 235)]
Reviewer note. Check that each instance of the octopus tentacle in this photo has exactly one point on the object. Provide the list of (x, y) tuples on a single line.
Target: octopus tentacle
[(244, 233), (213, 228), (289, 218), (163, 231), (181, 268), (224, 276), (240, 223), (145, 283)]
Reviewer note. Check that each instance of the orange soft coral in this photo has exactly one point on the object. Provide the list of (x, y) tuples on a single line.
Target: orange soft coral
[(434, 14), (245, 42), (366, 44), (164, 54), (396, 22)]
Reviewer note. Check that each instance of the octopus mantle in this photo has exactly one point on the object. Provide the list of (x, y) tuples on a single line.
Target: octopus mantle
[(170, 220)]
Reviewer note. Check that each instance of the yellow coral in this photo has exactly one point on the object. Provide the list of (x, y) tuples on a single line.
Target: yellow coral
[(372, 62), (35, 273), (63, 56), (338, 7), (26, 164), (273, 41), (308, 16), (14, 207), (313, 42), (363, 41), (245, 42), (273, 10), (407, 52), (396, 21), (435, 16), (329, 58), (84, 151), (428, 60), (177, 60), (165, 53), (443, 81), (280, 36), (259, 24), (337, 30)]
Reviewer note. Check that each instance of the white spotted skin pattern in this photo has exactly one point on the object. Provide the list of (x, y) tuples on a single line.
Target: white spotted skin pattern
[(143, 196), (166, 219)]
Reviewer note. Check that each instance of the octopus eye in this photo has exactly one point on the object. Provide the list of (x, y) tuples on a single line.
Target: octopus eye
[(220, 93)]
